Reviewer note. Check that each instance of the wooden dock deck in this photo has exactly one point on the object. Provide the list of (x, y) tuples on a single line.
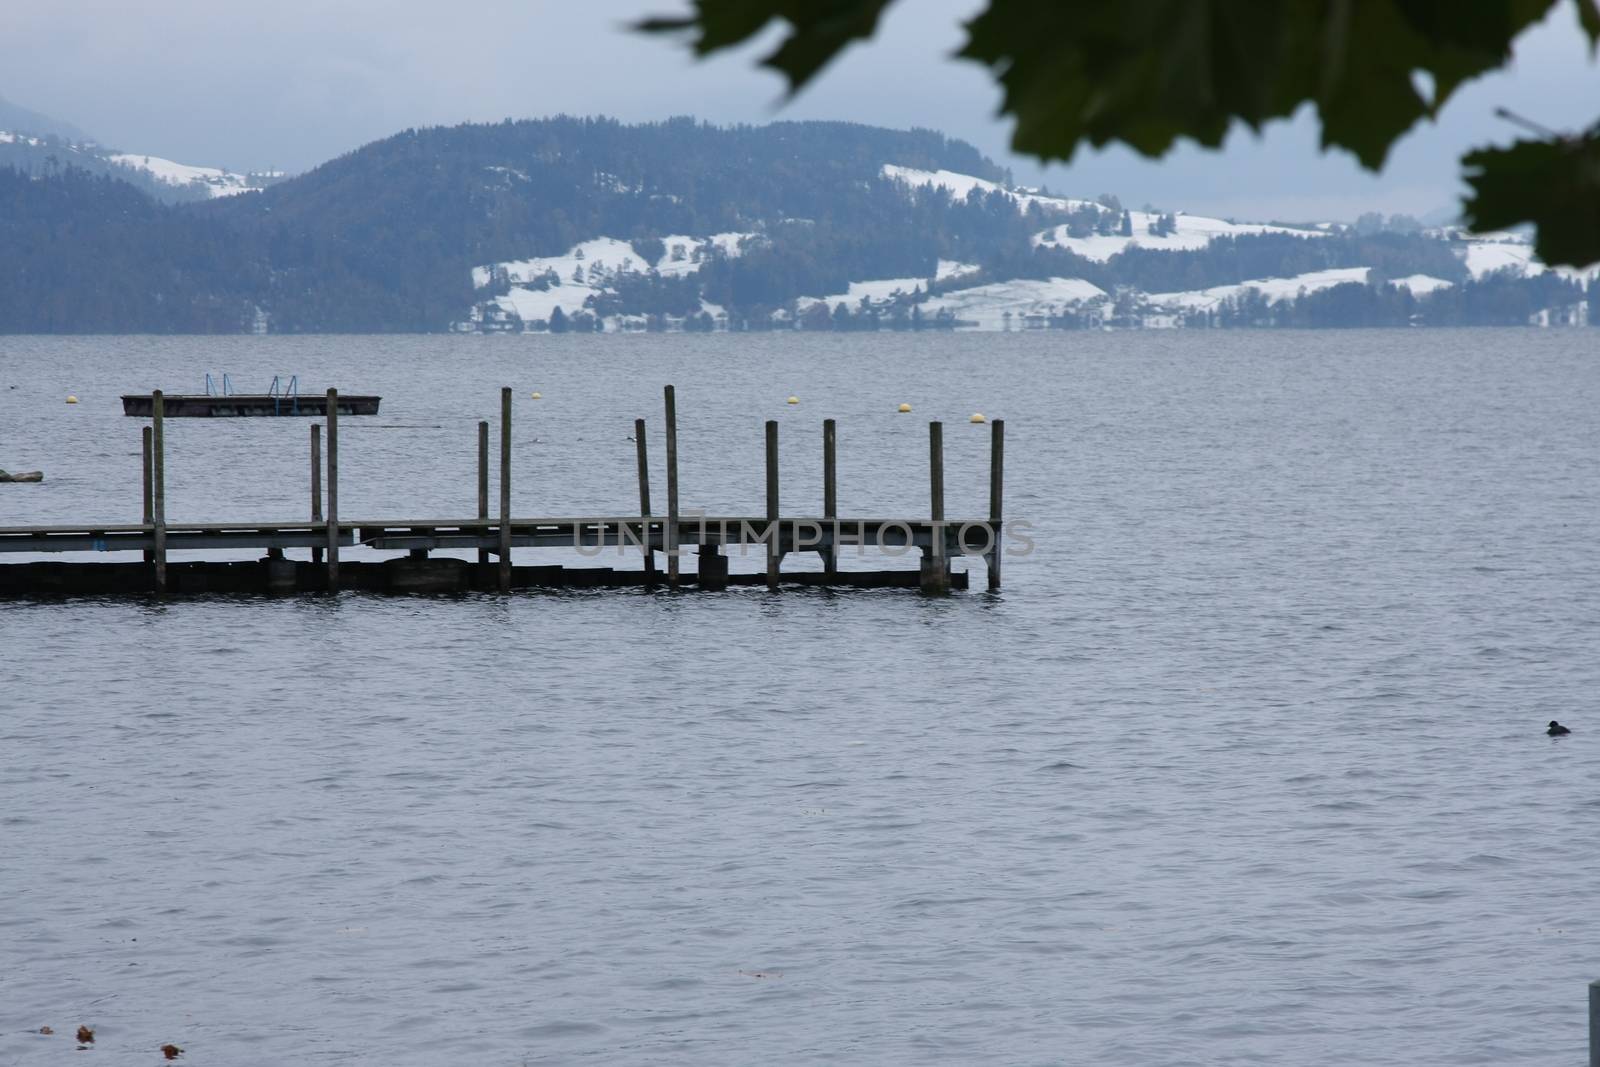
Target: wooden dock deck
[(707, 540)]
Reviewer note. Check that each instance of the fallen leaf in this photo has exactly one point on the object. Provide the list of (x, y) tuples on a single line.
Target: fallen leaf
[(85, 1035), (171, 1052)]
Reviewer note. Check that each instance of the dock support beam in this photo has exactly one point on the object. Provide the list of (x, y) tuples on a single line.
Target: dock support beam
[(830, 495), (935, 561), (316, 482), (158, 488), (774, 532), (483, 481), (505, 489), (672, 487), (997, 470), (644, 498), (149, 501), (333, 490)]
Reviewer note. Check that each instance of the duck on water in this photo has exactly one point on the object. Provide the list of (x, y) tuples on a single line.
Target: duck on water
[(1556, 729)]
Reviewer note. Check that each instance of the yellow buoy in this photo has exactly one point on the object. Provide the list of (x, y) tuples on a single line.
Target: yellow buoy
[(536, 396), (977, 416), (794, 400), (904, 408), (72, 400)]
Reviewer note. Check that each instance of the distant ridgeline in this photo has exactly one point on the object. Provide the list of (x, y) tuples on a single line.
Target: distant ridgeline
[(571, 225)]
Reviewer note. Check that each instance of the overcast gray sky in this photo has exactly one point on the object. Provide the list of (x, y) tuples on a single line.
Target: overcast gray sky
[(289, 83)]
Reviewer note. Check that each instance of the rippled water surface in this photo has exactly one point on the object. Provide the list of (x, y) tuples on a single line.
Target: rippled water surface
[(1246, 763)]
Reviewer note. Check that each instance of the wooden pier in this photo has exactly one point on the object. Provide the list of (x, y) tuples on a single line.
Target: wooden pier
[(937, 540)]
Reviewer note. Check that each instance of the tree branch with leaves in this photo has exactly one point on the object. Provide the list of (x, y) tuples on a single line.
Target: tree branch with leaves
[(1145, 73)]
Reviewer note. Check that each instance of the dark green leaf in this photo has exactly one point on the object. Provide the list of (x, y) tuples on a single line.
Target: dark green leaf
[(818, 29), (1146, 72), (1553, 184), (1589, 19)]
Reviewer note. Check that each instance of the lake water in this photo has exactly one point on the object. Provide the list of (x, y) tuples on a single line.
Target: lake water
[(1245, 764)]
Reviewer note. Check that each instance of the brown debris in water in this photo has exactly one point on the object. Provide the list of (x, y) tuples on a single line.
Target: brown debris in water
[(46, 1031), (171, 1052), (85, 1035)]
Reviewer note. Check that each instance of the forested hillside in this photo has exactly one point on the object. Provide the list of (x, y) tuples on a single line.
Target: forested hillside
[(588, 223)]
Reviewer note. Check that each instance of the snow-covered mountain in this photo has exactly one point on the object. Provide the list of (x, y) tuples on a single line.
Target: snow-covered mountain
[(584, 224), (971, 297), (165, 179)]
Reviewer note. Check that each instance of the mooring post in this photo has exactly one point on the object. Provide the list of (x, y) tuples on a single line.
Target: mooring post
[(830, 497), (774, 533), (672, 487), (1594, 1024), (316, 482), (483, 482), (505, 489), (997, 470), (935, 562), (333, 490), (644, 498), (149, 503), (158, 488)]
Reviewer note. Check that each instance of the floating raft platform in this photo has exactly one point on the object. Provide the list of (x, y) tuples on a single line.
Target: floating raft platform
[(239, 405), (662, 542)]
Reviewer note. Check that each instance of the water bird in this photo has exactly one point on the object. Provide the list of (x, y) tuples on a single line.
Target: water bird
[(1556, 729)]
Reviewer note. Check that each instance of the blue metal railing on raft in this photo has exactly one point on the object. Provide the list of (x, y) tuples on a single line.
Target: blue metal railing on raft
[(281, 392), (212, 386)]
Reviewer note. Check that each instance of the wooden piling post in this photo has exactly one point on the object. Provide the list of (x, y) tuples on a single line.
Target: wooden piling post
[(483, 481), (158, 488), (316, 482), (644, 497), (1594, 1024), (505, 489), (672, 486), (774, 534), (149, 501), (997, 469), (830, 496), (333, 490), (935, 562)]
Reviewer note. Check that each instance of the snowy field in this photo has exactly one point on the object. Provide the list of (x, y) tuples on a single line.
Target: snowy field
[(1192, 232), (217, 182), (1001, 304)]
